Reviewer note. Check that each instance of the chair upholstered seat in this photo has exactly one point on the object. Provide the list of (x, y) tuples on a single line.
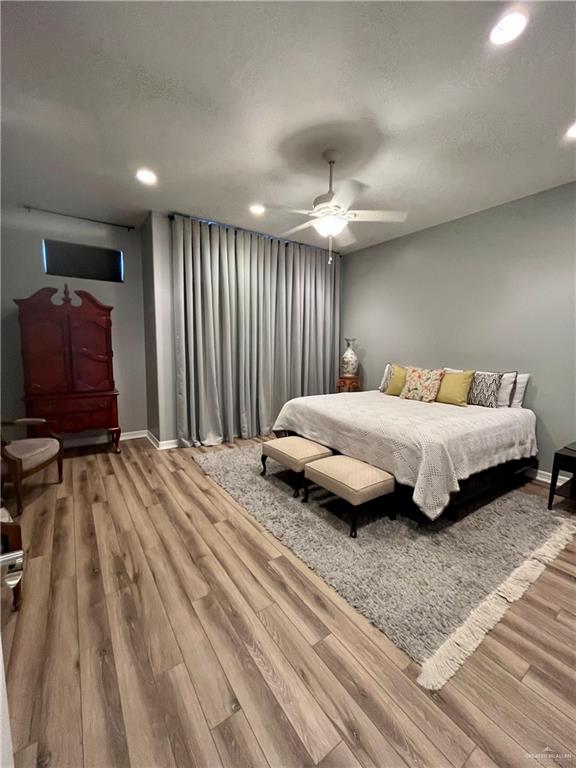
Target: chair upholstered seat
[(351, 479), (32, 452), (294, 452)]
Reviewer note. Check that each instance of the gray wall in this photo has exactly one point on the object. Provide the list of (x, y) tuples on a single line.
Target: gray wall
[(159, 327), (162, 249), (23, 274), (492, 291), (150, 329)]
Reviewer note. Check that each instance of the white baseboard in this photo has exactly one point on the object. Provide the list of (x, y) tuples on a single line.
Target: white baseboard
[(134, 435), (545, 477), (161, 445)]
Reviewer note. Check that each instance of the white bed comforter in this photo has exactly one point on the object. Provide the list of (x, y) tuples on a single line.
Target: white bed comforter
[(429, 446)]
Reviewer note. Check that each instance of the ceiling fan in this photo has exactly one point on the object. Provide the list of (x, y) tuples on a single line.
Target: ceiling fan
[(331, 212)]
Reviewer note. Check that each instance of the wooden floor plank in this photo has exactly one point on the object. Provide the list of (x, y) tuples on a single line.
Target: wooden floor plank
[(441, 730), (481, 729), (548, 636), (24, 673), (115, 569), (518, 710), (176, 550), (300, 614), (274, 732), (533, 653), (182, 523), (217, 698), (63, 549), (117, 504), (41, 514), (27, 757), (237, 744), (252, 590), (161, 624), (104, 733), (146, 734), (560, 693), (59, 733), (149, 612), (479, 759), (308, 720), (190, 737), (566, 618), (406, 737), (340, 757), (370, 747), (502, 655)]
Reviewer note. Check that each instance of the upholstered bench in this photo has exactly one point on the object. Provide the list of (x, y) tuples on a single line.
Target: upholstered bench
[(294, 453), (353, 480)]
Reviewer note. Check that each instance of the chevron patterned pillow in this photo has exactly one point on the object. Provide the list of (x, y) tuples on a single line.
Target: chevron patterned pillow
[(484, 389)]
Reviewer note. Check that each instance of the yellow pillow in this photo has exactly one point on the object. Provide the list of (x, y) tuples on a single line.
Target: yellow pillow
[(455, 387), (397, 381)]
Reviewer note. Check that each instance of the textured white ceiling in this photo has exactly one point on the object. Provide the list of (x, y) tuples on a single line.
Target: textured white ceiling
[(232, 103)]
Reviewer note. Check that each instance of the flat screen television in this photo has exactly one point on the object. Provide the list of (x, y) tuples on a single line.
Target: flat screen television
[(88, 262)]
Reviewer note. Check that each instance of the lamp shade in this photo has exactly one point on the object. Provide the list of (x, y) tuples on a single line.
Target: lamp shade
[(329, 226)]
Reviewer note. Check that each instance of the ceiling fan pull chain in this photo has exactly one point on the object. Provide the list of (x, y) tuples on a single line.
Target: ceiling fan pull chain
[(330, 250)]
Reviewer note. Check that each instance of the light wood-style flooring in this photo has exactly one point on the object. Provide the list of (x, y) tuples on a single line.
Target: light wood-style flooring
[(161, 626)]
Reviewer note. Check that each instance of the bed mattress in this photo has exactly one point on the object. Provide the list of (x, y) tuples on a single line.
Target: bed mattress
[(428, 446)]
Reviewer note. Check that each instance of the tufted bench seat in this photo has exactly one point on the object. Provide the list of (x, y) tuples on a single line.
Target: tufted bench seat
[(351, 479), (294, 453)]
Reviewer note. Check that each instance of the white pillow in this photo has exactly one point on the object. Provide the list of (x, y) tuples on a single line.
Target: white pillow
[(520, 391), (506, 386), (506, 389), (384, 383)]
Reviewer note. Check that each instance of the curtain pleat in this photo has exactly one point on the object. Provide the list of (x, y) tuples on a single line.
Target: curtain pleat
[(257, 322)]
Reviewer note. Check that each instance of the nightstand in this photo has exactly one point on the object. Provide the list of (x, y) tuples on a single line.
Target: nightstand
[(348, 384), (564, 459)]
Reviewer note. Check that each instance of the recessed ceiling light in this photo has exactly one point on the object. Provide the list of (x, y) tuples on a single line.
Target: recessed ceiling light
[(146, 176), (509, 27), (571, 132), (257, 209)]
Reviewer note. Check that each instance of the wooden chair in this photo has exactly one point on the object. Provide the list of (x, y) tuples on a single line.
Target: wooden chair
[(22, 458)]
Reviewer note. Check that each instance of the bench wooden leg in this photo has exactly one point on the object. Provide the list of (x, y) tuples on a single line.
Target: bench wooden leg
[(305, 487), (263, 460), (297, 487), (354, 516)]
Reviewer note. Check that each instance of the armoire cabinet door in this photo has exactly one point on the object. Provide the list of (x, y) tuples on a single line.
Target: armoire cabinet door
[(91, 354), (44, 351)]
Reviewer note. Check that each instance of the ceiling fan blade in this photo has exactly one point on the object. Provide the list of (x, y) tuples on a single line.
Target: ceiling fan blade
[(378, 215), (287, 209), (346, 192), (299, 228), (345, 239)]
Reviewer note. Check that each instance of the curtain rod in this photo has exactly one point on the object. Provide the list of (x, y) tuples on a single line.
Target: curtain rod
[(79, 218), (172, 215)]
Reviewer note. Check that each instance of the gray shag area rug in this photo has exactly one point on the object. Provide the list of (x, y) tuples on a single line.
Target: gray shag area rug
[(434, 589)]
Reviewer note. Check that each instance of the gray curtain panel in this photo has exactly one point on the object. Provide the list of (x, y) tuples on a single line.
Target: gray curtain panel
[(257, 322)]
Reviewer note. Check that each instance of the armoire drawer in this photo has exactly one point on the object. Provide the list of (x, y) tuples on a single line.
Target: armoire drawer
[(46, 408)]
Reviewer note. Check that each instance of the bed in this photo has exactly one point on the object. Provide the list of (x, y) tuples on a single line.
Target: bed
[(430, 447)]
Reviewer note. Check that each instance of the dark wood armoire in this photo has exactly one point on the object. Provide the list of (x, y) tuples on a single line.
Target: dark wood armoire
[(67, 356)]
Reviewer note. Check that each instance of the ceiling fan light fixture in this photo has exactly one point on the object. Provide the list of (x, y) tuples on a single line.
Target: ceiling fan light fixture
[(329, 226)]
